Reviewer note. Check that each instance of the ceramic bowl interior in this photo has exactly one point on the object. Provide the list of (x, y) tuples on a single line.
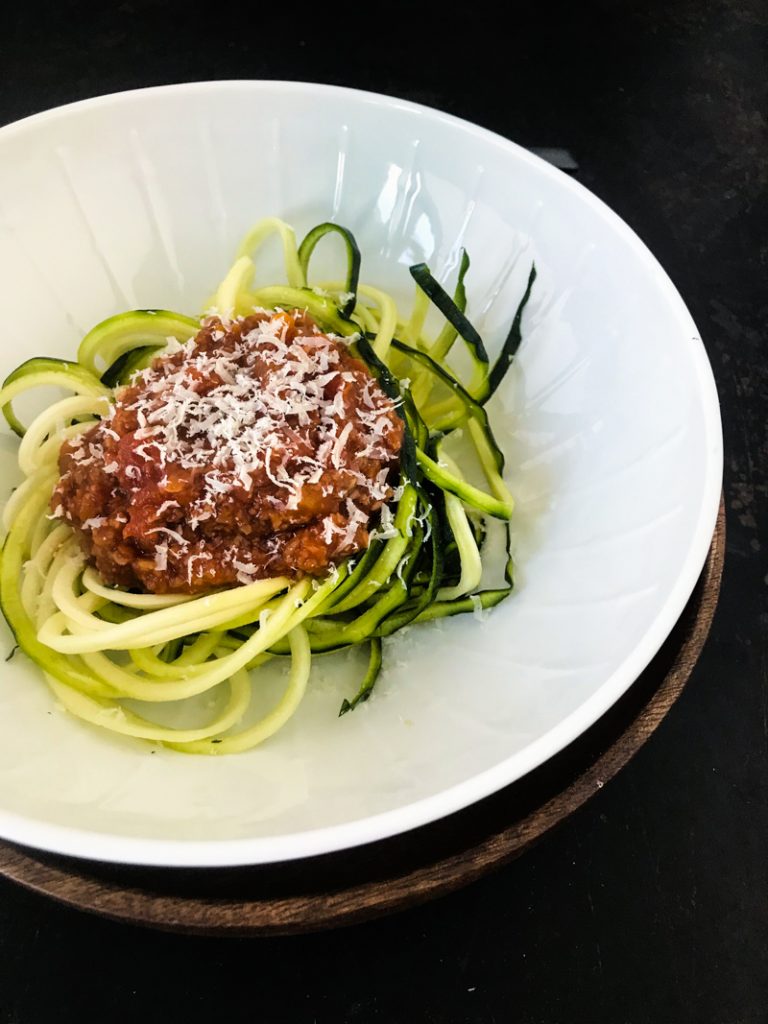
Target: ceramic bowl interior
[(609, 420)]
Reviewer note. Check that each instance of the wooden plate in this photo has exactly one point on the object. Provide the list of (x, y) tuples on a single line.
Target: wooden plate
[(354, 885)]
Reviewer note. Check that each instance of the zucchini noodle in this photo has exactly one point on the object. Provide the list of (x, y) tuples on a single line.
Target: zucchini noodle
[(102, 647)]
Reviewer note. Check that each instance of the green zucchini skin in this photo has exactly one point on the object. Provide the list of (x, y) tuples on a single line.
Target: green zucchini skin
[(307, 247), (513, 340), (123, 334), (43, 371)]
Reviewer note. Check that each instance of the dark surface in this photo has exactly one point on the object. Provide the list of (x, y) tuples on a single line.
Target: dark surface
[(650, 904)]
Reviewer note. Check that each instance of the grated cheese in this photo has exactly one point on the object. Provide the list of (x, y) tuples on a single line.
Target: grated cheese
[(240, 410)]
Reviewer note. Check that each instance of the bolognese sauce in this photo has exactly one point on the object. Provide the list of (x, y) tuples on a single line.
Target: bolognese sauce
[(261, 447)]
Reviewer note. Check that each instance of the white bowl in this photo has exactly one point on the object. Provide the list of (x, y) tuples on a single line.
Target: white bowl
[(609, 419)]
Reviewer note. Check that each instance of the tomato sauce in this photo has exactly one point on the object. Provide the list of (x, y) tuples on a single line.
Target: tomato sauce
[(262, 447)]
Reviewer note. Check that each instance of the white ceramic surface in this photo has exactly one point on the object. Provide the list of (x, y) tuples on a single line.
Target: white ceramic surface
[(609, 419)]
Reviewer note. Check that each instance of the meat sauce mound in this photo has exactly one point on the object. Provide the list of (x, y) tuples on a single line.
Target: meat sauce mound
[(260, 448)]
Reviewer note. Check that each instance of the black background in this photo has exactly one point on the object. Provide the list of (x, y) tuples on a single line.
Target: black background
[(650, 904)]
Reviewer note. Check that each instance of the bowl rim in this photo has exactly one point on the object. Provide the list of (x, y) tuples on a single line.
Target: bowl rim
[(170, 853)]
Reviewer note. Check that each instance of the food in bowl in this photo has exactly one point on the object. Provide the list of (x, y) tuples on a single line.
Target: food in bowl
[(278, 477)]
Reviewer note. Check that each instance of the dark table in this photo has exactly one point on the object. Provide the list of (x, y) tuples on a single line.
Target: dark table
[(649, 905)]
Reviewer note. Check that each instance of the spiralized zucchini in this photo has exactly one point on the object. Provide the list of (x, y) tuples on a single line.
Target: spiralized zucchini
[(102, 647)]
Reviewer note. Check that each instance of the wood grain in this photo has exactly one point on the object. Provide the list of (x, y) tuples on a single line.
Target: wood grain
[(355, 885)]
